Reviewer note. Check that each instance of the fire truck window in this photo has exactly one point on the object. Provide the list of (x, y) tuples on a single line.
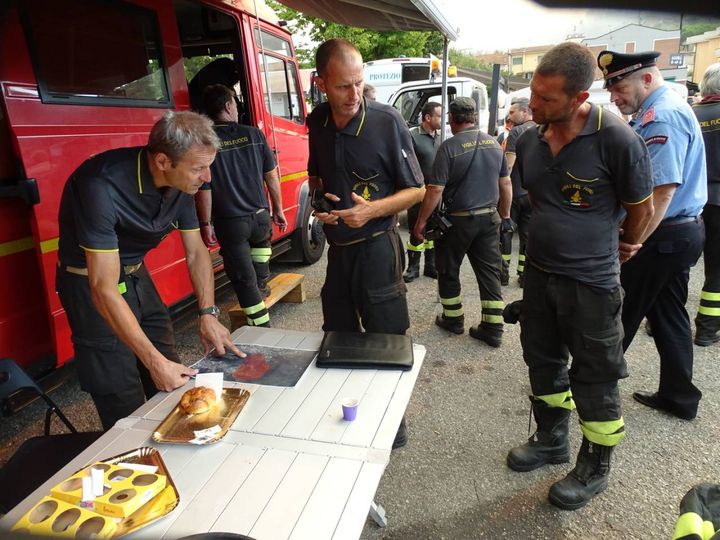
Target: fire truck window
[(96, 52), (271, 42), (284, 96)]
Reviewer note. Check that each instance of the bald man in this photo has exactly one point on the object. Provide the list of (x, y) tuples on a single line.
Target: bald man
[(379, 176)]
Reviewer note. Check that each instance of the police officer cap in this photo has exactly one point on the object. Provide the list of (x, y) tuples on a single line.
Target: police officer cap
[(462, 105), (617, 66)]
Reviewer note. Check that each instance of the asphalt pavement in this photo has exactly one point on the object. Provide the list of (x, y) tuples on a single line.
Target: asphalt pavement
[(469, 407)]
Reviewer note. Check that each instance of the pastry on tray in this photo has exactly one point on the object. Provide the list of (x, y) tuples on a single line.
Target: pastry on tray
[(198, 400)]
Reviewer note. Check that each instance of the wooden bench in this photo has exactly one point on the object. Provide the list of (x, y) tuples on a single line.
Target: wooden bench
[(283, 288)]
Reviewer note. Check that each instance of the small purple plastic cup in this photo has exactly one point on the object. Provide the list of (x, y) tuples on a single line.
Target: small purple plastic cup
[(350, 407)]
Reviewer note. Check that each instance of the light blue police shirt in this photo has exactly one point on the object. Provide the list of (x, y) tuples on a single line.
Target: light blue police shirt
[(673, 137)]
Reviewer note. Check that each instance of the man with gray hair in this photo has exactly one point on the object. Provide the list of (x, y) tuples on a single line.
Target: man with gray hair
[(520, 211), (656, 279), (583, 171), (116, 207), (707, 320)]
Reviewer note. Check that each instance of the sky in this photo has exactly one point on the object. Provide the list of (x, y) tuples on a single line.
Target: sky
[(489, 25)]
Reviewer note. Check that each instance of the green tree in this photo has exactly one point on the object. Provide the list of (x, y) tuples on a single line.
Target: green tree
[(694, 29), (372, 45)]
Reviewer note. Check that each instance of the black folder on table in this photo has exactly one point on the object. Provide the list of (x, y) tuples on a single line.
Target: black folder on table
[(365, 350)]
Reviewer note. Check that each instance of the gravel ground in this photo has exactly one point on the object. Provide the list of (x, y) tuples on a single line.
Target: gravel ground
[(469, 407)]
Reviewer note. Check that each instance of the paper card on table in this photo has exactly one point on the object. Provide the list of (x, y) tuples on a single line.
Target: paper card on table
[(87, 489), (97, 476), (211, 380)]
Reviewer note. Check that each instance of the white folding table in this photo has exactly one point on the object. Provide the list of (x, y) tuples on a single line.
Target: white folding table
[(290, 467)]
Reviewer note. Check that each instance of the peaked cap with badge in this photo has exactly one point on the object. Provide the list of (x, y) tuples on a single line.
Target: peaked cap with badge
[(616, 66)]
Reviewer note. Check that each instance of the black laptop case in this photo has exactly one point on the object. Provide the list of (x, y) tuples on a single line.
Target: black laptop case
[(365, 350)]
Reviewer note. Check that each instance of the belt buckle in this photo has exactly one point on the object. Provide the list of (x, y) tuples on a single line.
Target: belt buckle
[(132, 268)]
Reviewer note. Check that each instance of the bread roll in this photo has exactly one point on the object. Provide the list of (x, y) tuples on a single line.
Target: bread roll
[(198, 400)]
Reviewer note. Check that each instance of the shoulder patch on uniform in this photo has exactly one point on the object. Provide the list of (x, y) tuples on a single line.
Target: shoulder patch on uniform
[(648, 117), (656, 139)]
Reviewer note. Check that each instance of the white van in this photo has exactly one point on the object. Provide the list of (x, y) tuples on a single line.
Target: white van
[(410, 98), (388, 74), (598, 95)]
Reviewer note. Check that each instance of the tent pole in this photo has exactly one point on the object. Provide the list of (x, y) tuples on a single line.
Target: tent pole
[(445, 65)]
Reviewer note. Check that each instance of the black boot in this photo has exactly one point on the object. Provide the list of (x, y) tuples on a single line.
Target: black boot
[(549, 444), (588, 478), (401, 437), (456, 325), (430, 270), (413, 269), (489, 333), (264, 289), (706, 329)]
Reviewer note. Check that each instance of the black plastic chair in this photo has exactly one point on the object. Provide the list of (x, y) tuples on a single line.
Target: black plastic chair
[(38, 458)]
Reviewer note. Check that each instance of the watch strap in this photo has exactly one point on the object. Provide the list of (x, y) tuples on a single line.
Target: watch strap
[(211, 310)]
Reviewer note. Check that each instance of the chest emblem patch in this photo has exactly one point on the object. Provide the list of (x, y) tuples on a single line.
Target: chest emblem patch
[(577, 195), (365, 189)]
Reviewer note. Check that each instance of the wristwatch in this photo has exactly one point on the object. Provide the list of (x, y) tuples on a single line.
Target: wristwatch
[(212, 310), (204, 223)]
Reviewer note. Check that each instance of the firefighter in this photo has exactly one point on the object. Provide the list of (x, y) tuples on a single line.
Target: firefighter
[(240, 208), (707, 320), (115, 207), (581, 168), (426, 140), (520, 211), (699, 514), (379, 177), (470, 177)]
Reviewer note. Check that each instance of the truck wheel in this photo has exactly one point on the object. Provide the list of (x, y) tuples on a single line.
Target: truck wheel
[(312, 237)]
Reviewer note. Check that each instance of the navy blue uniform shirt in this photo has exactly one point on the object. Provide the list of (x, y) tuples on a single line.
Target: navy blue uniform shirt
[(513, 136), (238, 171), (479, 175), (372, 157), (110, 203), (577, 197)]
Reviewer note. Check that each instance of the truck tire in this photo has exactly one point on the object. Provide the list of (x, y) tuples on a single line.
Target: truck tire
[(311, 236)]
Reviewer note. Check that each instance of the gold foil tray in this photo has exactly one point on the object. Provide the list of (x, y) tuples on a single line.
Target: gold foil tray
[(160, 505), (179, 427)]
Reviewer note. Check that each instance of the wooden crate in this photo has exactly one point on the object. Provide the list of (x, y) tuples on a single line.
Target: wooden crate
[(283, 288)]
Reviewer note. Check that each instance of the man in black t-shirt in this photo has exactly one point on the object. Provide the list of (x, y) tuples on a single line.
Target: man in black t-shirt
[(240, 208), (520, 211), (470, 177), (116, 207), (426, 141), (361, 156), (584, 169)]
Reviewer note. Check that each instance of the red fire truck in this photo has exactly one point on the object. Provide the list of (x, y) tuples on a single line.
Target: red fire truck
[(79, 77)]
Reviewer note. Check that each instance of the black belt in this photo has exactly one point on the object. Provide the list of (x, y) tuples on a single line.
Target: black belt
[(359, 240), (680, 220), (128, 269), (473, 212)]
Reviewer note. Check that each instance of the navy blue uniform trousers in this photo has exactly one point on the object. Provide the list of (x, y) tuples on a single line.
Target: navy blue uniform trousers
[(656, 286), (117, 381), (364, 286)]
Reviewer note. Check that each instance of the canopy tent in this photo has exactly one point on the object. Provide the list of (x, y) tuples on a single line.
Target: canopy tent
[(382, 15), (386, 15)]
